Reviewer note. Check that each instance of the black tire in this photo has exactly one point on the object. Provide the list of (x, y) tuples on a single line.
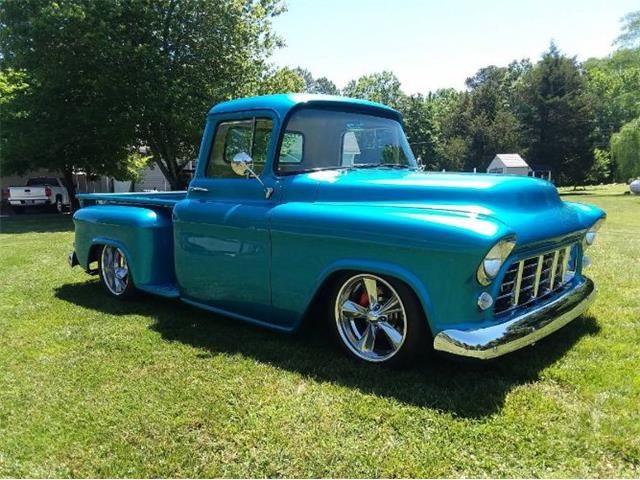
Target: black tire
[(58, 206), (18, 210), (416, 333), (109, 283)]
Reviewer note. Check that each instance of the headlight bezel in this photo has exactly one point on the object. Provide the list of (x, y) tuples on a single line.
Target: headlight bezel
[(494, 260)]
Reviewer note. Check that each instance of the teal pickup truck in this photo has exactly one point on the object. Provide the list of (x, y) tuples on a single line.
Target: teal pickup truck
[(307, 203)]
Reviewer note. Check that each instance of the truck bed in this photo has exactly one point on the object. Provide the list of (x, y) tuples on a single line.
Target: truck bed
[(157, 199)]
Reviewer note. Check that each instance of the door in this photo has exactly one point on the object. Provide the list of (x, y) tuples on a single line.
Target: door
[(221, 231)]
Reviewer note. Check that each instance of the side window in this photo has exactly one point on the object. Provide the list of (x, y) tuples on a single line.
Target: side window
[(251, 136), (292, 148)]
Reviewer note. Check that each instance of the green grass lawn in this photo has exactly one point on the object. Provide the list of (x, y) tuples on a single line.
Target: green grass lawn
[(90, 386)]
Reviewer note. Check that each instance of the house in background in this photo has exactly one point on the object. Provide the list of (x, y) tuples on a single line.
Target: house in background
[(151, 179), (510, 164)]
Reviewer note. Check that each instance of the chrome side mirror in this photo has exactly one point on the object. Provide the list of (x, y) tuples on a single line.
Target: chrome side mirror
[(242, 164)]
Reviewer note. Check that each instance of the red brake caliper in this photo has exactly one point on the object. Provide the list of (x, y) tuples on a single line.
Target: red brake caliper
[(364, 299)]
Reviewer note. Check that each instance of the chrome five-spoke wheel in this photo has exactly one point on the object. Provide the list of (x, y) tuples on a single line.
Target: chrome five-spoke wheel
[(114, 271), (370, 318)]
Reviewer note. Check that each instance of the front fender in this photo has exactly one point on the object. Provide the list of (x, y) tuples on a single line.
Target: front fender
[(588, 214), (435, 252)]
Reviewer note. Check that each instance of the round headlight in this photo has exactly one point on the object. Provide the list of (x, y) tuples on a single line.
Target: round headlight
[(492, 262), (590, 237)]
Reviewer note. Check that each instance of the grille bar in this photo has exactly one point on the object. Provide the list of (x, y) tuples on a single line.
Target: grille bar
[(516, 296), (531, 278), (554, 266), (565, 262), (536, 282)]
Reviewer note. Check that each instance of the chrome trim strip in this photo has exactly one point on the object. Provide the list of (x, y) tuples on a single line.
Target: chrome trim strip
[(554, 266), (516, 288), (496, 340), (536, 282)]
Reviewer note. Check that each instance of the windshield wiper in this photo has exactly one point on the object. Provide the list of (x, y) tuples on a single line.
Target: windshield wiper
[(396, 165), (382, 165)]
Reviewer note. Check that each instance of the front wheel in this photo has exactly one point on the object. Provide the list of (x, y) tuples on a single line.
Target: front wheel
[(376, 319), (115, 274)]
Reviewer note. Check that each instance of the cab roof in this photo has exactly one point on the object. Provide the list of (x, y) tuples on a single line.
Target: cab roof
[(283, 103)]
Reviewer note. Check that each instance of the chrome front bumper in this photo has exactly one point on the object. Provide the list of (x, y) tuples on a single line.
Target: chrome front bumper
[(518, 332)]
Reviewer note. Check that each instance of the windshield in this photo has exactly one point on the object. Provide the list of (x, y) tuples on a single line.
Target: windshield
[(316, 139)]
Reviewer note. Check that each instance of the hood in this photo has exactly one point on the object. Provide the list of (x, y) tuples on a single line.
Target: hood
[(458, 191), (529, 207)]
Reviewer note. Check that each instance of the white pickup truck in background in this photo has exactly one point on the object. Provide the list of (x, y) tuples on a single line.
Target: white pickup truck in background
[(40, 192)]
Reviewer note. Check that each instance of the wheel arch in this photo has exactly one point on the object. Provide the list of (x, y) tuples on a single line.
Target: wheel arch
[(332, 272), (98, 244)]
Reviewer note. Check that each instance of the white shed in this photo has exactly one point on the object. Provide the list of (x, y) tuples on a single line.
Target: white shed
[(509, 163)]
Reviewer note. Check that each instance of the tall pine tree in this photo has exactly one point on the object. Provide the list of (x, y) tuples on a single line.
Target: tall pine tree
[(556, 112)]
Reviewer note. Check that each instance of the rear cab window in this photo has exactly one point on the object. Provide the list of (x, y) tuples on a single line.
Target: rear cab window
[(41, 182)]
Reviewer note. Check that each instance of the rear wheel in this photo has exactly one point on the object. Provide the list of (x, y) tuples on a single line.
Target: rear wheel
[(114, 272), (377, 319)]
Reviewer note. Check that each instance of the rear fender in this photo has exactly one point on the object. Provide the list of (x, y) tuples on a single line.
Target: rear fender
[(143, 234)]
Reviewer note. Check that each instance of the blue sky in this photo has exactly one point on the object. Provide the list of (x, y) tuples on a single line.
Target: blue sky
[(432, 44)]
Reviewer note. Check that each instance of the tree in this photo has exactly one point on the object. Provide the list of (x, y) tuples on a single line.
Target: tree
[(420, 128), (189, 55), (625, 149), (320, 85), (383, 87), (452, 148), (557, 116), (307, 77), (613, 84), (325, 86), (475, 125), (491, 125), (630, 36), (600, 171), (64, 111), (283, 80), (105, 76)]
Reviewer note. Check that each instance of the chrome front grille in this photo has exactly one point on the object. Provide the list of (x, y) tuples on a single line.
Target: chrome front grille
[(532, 278)]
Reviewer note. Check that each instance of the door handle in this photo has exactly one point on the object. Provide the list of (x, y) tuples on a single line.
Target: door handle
[(198, 189)]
